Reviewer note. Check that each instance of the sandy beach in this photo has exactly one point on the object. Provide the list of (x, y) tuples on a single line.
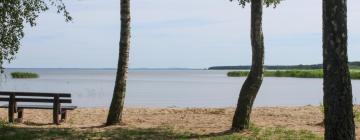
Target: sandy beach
[(191, 120), (197, 120)]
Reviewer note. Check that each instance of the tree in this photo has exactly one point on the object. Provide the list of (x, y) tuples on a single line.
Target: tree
[(254, 79), (338, 105), (13, 15), (117, 103)]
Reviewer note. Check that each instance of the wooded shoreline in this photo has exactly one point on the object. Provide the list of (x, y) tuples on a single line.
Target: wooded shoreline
[(352, 65)]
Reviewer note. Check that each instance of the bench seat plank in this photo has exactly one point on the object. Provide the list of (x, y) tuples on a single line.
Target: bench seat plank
[(41, 94), (40, 100), (40, 107)]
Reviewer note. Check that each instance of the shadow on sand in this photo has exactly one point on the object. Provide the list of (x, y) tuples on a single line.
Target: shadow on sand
[(98, 132)]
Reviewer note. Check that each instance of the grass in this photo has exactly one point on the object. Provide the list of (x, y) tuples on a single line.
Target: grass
[(8, 132), (356, 112), (24, 75), (256, 133), (354, 74)]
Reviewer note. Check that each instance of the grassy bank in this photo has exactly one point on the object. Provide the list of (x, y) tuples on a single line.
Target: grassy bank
[(24, 75), (291, 73)]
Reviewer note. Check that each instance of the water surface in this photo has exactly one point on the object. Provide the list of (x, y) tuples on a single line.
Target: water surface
[(168, 88)]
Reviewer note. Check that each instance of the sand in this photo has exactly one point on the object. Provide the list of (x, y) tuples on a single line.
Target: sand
[(194, 120)]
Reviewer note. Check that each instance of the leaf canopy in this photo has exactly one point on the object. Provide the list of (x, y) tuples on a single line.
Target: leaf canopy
[(14, 15), (268, 3)]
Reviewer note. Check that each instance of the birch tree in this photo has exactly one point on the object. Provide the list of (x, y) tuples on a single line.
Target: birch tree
[(252, 84)]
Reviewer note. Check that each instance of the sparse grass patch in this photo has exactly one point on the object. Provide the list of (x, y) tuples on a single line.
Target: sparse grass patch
[(24, 75), (255, 133), (356, 112), (14, 133), (4, 125)]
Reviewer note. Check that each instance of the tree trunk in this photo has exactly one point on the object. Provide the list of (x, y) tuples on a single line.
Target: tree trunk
[(117, 103), (339, 121), (253, 81)]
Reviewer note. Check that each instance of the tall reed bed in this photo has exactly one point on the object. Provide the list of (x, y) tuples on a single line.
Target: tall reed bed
[(354, 74), (24, 75)]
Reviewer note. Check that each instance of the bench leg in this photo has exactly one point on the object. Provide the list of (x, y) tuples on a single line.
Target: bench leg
[(11, 115), (20, 115), (11, 109), (56, 117), (63, 116), (56, 110)]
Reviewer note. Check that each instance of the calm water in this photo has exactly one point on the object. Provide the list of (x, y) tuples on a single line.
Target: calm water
[(168, 88)]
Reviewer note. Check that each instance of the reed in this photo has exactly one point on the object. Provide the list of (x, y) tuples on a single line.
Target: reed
[(354, 74), (24, 75)]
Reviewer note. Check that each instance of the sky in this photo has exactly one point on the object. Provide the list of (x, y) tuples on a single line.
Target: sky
[(178, 34)]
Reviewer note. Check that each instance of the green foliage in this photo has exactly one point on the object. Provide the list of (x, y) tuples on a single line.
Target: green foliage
[(5, 125), (268, 3), (356, 113), (322, 109), (13, 15), (292, 73), (276, 133), (24, 75), (355, 74)]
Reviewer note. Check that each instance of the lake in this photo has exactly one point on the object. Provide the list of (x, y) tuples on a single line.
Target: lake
[(168, 88)]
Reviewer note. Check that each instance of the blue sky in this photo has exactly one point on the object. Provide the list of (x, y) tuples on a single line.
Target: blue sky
[(175, 33)]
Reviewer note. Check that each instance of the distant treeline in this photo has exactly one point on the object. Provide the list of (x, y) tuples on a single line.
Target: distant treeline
[(352, 65)]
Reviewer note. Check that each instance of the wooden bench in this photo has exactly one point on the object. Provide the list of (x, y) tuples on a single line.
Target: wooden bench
[(34, 97)]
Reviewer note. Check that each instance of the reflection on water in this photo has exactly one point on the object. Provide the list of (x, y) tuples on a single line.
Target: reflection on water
[(165, 88)]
